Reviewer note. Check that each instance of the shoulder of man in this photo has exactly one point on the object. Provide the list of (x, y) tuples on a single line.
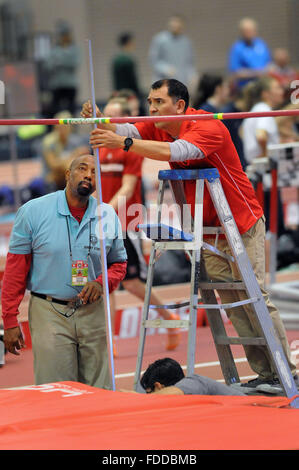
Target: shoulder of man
[(202, 123), (41, 201), (34, 209)]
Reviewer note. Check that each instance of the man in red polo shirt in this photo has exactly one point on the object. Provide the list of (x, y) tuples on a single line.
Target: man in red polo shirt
[(121, 174), (205, 144)]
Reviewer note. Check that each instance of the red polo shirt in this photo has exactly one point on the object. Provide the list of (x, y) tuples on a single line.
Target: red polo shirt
[(115, 163), (213, 139)]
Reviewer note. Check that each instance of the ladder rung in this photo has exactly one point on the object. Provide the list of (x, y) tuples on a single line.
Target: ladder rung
[(170, 306), (236, 340), (227, 306), (165, 232), (176, 245), (207, 306), (212, 230), (160, 323), (207, 246), (222, 285)]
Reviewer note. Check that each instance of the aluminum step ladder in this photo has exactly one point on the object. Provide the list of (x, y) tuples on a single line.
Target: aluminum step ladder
[(190, 239)]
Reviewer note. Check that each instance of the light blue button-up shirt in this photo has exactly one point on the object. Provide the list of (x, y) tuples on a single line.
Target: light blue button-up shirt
[(40, 228), (255, 56)]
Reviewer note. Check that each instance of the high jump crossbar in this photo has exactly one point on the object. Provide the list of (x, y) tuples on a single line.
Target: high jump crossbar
[(134, 119)]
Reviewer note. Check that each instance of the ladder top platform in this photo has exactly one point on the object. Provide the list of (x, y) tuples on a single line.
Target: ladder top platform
[(208, 173), (164, 232)]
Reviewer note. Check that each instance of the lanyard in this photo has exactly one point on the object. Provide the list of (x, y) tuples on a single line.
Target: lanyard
[(69, 238)]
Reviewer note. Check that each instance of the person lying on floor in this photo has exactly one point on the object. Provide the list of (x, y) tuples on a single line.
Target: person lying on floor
[(166, 377)]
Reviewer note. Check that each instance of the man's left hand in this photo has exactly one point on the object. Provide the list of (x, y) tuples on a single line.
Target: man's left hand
[(91, 292), (102, 138)]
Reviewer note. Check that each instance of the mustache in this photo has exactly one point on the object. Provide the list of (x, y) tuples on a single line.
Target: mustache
[(85, 182), (84, 190)]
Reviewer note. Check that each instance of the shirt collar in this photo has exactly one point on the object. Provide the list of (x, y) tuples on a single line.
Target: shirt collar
[(63, 207)]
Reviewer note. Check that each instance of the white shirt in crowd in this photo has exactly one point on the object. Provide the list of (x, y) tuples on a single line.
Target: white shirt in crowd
[(252, 148)]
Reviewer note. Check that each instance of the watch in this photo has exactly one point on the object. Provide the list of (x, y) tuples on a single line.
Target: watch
[(128, 143)]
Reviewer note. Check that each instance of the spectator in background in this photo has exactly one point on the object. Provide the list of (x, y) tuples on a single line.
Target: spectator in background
[(249, 56), (121, 173), (123, 67), (171, 53), (288, 126), (212, 93), (59, 148), (237, 104), (282, 70), (62, 66), (263, 95), (130, 96)]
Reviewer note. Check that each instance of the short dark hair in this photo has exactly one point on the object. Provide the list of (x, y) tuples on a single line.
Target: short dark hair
[(176, 89), (206, 88), (125, 38), (166, 371)]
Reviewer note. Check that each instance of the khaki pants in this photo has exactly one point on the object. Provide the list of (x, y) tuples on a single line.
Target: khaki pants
[(243, 318), (69, 349)]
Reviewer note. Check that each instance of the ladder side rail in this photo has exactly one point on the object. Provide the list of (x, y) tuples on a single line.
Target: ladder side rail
[(161, 191), (241, 258), (145, 311), (183, 209), (195, 275)]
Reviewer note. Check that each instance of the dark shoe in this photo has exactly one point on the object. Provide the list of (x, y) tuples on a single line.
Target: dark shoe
[(250, 387), (274, 386), (254, 382)]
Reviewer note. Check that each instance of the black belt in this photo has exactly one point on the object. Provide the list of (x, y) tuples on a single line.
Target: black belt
[(50, 299)]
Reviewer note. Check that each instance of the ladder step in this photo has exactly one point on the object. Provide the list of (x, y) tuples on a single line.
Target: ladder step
[(192, 174), (212, 230), (165, 232), (207, 246), (222, 285), (207, 306), (160, 323), (227, 306), (236, 340)]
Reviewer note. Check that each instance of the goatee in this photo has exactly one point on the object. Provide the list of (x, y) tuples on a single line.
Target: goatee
[(84, 188)]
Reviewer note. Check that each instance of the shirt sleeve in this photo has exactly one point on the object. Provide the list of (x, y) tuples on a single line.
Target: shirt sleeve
[(117, 252), (128, 130), (116, 273), (199, 385), (267, 124), (21, 236), (181, 150), (208, 137), (13, 287)]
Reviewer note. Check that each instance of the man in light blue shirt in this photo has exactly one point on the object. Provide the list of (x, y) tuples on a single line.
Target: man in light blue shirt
[(60, 234), (249, 55)]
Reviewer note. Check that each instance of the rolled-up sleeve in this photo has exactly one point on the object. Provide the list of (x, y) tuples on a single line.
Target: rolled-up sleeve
[(128, 130), (181, 150)]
